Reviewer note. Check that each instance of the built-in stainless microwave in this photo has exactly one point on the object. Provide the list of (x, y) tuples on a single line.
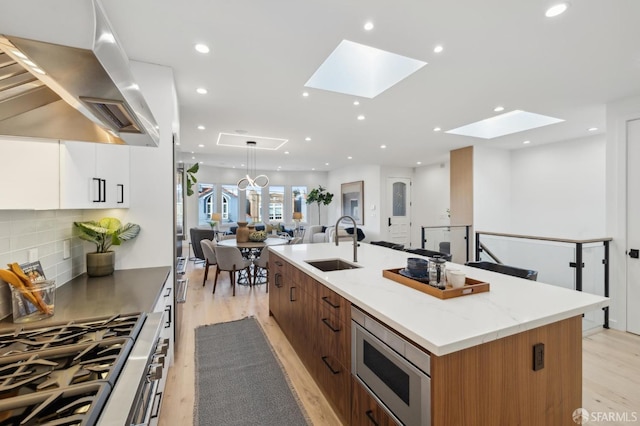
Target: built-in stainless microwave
[(394, 371)]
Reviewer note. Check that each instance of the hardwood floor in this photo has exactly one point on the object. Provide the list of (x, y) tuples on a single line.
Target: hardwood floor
[(201, 308), (611, 359)]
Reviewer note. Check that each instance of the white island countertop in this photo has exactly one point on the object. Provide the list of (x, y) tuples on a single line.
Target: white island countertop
[(511, 306)]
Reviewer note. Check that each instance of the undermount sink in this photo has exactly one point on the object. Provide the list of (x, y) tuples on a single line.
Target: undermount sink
[(329, 265)]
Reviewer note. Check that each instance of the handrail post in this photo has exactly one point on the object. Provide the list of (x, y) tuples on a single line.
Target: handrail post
[(579, 266), (423, 237), (606, 282), (466, 238), (477, 247)]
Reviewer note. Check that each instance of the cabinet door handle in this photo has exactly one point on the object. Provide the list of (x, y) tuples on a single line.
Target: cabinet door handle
[(326, 299), (326, 322), (291, 299), (103, 185), (99, 181), (278, 263), (120, 193), (168, 292), (324, 359), (168, 311), (278, 279), (369, 414)]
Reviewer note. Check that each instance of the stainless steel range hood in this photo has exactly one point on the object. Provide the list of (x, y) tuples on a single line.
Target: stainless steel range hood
[(62, 92)]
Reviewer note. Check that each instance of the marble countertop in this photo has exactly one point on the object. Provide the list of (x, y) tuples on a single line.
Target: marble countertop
[(126, 291), (511, 306)]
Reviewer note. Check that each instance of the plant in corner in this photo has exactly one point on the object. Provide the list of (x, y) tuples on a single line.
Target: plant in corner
[(104, 233), (319, 196)]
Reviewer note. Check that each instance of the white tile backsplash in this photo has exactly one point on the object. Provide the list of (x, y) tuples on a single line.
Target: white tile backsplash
[(45, 230)]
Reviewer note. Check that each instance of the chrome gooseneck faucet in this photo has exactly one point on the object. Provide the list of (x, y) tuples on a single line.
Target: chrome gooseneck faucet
[(355, 235)]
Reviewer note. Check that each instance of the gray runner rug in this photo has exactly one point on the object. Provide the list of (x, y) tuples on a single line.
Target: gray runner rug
[(239, 380)]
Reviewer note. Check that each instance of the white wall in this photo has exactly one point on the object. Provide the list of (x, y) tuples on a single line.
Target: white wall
[(492, 207), (618, 113), (558, 190), (429, 198), (370, 174)]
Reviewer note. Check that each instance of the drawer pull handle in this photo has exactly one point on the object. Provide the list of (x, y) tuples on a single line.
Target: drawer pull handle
[(326, 299), (291, 299), (278, 263), (324, 359), (369, 414), (326, 322), (278, 280)]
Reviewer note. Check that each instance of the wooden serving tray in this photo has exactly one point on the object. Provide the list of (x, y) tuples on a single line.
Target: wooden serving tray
[(471, 286)]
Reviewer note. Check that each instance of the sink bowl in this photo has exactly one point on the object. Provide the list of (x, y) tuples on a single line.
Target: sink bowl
[(329, 265)]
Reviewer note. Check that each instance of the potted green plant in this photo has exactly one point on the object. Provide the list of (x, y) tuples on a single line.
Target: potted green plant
[(104, 233), (319, 196)]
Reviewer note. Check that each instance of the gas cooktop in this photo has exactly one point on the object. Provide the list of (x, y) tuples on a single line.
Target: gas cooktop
[(62, 374)]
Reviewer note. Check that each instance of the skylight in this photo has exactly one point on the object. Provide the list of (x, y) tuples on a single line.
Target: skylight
[(359, 70), (505, 124)]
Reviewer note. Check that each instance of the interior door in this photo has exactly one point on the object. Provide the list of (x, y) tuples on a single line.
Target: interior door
[(633, 226), (399, 210)]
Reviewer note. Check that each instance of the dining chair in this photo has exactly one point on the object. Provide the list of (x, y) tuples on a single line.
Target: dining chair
[(230, 259), (261, 267), (295, 240), (208, 249)]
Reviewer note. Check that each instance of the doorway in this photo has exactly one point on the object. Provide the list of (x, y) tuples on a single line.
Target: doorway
[(633, 226), (399, 211)]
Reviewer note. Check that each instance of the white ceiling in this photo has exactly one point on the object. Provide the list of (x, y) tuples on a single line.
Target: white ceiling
[(496, 52)]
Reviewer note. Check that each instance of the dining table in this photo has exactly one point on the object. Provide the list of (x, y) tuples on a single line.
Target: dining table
[(251, 249)]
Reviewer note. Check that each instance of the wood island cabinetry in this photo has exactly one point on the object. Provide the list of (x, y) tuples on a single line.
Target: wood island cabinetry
[(316, 321)]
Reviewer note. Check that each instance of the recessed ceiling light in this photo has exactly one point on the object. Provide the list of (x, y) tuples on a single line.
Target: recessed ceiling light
[(200, 146), (286, 152), (307, 139), (592, 129), (526, 142), (368, 26), (436, 129), (202, 48), (438, 49), (178, 143), (326, 164), (383, 146), (313, 168), (362, 71), (305, 94), (201, 90), (201, 162), (356, 103), (193, 158), (556, 9), (361, 117), (498, 108), (505, 124), (201, 127), (349, 158), (418, 162)]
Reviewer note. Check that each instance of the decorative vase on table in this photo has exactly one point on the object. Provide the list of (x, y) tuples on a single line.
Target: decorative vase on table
[(101, 264), (242, 233)]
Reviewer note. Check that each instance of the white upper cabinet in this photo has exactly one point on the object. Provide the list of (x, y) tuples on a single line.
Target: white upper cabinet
[(30, 175), (93, 176)]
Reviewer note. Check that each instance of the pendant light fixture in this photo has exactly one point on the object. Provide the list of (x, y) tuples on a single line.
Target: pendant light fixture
[(248, 182)]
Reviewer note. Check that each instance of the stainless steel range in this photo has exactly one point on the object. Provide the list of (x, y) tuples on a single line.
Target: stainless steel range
[(67, 373)]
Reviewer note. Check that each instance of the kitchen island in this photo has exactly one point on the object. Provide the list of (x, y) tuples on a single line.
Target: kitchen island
[(481, 346)]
